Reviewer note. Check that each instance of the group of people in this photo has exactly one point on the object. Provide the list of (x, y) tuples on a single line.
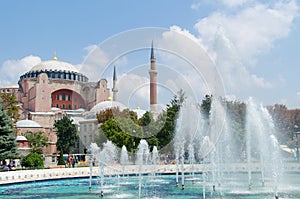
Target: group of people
[(8, 167), (71, 160)]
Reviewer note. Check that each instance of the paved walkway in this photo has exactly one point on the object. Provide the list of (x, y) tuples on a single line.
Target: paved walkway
[(60, 173)]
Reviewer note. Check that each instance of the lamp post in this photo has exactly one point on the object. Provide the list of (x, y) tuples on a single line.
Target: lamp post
[(91, 171), (297, 147), (133, 133)]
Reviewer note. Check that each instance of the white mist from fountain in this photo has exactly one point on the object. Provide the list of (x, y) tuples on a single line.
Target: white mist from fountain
[(124, 159), (105, 156), (155, 159), (203, 153), (261, 140), (186, 135), (216, 133), (142, 159), (94, 151), (191, 153)]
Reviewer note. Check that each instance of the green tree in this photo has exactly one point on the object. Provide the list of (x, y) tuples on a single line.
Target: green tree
[(123, 128), (122, 131), (168, 119), (9, 103), (8, 144), (67, 134), (37, 141), (115, 112), (33, 160)]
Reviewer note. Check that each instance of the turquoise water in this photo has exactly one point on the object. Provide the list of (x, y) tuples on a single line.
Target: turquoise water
[(163, 186)]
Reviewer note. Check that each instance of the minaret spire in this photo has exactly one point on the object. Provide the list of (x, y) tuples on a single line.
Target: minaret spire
[(115, 89), (153, 83), (54, 56), (152, 51)]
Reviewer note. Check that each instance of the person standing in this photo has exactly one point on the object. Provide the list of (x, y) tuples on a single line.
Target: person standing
[(69, 160), (73, 162)]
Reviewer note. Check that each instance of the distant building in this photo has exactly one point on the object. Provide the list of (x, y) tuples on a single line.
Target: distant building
[(54, 88)]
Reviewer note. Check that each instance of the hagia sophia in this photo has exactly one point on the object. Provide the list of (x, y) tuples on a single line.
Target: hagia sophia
[(54, 88)]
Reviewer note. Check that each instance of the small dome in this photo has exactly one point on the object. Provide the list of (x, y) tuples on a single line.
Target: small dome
[(21, 138), (103, 106), (139, 112), (52, 65), (27, 124)]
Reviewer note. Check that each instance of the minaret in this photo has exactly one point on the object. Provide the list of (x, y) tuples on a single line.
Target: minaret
[(153, 83), (114, 89)]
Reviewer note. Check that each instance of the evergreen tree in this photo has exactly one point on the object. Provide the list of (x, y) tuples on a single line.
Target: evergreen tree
[(8, 144), (166, 133), (61, 160), (66, 134)]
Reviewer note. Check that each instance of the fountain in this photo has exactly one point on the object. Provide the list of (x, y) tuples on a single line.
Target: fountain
[(217, 145), (262, 144), (124, 158), (206, 156), (142, 159)]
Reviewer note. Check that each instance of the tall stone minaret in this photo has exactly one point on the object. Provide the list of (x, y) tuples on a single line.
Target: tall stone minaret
[(153, 83), (114, 88)]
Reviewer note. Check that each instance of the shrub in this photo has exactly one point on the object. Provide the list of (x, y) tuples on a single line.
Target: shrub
[(33, 160)]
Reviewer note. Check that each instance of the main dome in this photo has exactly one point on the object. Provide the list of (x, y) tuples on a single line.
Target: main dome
[(55, 70), (54, 65)]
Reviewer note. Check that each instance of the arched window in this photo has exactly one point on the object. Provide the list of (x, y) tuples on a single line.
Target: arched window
[(28, 133), (23, 115), (63, 96)]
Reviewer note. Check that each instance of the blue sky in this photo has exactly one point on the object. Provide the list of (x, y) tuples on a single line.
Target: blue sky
[(253, 43)]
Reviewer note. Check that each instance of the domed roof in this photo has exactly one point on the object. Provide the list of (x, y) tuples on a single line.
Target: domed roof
[(103, 106), (139, 112), (27, 124), (21, 138), (52, 65)]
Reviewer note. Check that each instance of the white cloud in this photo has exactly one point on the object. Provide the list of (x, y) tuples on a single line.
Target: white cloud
[(196, 70), (233, 3), (133, 90), (11, 70), (298, 94), (95, 62), (196, 6), (236, 39), (252, 30)]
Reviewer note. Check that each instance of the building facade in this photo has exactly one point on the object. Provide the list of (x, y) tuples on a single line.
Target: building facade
[(54, 88)]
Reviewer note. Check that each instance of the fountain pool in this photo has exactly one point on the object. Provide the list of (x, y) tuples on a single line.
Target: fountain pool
[(160, 186)]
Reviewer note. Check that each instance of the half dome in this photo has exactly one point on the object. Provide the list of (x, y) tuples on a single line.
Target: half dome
[(27, 124), (21, 138)]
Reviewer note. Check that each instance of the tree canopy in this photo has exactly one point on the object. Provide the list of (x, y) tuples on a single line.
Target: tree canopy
[(37, 141), (9, 103), (67, 134), (123, 127)]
